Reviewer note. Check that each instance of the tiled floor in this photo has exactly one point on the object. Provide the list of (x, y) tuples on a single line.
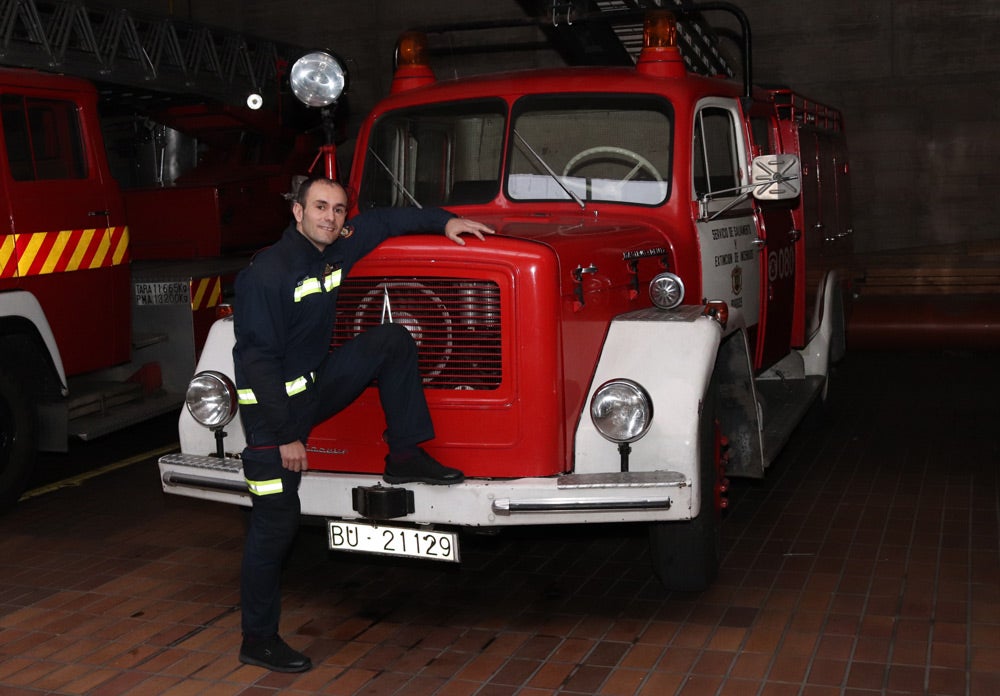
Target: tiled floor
[(867, 563)]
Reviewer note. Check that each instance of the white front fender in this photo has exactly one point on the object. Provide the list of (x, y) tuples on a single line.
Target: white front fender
[(672, 355)]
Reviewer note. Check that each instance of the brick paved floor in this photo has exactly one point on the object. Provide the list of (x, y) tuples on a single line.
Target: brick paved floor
[(867, 563)]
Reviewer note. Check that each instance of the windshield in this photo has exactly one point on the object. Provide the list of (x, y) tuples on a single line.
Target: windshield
[(607, 148), (600, 148), (445, 154)]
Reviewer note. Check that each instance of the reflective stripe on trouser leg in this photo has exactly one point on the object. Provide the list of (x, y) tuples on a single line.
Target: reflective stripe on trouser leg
[(265, 487), (274, 520)]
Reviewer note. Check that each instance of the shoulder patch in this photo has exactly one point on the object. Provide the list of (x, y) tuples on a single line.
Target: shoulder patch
[(346, 231)]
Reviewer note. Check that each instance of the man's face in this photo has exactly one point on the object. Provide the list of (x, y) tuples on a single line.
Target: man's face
[(321, 217)]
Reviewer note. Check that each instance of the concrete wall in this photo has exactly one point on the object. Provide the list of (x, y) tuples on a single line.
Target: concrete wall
[(918, 82), (919, 85)]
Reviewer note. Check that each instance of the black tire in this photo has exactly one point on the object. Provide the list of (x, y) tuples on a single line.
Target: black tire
[(685, 555), (18, 440)]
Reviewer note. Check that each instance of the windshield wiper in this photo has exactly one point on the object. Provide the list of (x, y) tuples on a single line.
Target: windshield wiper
[(548, 169), (395, 180)]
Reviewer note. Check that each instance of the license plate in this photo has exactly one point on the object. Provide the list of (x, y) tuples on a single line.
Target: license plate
[(392, 541)]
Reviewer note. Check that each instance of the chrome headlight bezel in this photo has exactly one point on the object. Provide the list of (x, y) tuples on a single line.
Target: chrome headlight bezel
[(211, 399), (621, 410), (666, 290)]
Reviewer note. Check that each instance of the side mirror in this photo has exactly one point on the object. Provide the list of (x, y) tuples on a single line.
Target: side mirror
[(775, 177)]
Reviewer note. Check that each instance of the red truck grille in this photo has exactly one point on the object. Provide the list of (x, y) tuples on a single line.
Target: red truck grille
[(456, 324)]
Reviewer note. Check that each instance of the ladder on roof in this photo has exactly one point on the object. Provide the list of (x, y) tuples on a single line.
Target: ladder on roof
[(120, 47)]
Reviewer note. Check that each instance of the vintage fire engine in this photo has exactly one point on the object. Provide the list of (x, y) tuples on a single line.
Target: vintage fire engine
[(107, 292), (656, 312)]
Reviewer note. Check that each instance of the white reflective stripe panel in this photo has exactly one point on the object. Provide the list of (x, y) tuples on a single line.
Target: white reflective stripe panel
[(308, 286), (265, 487), (292, 387)]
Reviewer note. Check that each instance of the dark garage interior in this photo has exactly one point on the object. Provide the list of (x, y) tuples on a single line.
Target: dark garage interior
[(866, 562)]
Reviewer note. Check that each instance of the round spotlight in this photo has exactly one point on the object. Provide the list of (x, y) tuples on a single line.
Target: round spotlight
[(211, 399), (317, 79), (255, 101)]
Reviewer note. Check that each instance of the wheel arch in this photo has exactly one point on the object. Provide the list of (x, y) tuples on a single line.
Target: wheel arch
[(737, 406)]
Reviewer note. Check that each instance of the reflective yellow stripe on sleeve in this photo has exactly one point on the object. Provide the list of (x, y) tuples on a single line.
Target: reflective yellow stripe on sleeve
[(332, 280), (246, 397), (310, 286), (292, 387), (307, 287), (265, 487)]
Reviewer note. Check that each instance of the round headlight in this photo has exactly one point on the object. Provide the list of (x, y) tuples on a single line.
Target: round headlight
[(211, 399), (666, 290), (317, 79), (621, 410)]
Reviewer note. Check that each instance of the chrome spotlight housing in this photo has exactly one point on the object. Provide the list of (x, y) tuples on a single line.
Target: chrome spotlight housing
[(211, 399)]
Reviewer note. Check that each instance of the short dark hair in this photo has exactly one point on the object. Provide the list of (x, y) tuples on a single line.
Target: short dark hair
[(300, 193), (303, 191)]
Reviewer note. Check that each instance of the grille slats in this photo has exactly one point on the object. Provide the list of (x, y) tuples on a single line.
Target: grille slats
[(455, 322)]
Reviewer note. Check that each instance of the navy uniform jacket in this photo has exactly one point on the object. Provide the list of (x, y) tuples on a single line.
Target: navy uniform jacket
[(285, 308)]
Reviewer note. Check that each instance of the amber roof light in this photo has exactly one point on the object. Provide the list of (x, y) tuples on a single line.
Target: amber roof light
[(412, 63), (659, 30), (411, 49), (660, 56)]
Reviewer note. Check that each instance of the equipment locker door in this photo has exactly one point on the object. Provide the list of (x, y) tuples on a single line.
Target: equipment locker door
[(777, 264)]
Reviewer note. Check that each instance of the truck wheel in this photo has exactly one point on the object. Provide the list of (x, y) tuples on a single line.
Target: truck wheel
[(685, 555), (18, 440)]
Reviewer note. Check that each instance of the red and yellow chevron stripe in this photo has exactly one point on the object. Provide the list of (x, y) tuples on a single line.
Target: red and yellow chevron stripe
[(206, 292), (39, 253)]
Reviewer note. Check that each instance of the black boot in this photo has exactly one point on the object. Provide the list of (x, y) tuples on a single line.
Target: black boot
[(273, 654), (420, 468)]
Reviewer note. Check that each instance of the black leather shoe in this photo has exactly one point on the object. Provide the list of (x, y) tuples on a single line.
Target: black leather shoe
[(421, 468), (275, 655)]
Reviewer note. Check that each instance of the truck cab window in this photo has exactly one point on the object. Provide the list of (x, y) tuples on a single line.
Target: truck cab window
[(43, 139), (760, 128), (714, 156), (438, 155), (602, 148)]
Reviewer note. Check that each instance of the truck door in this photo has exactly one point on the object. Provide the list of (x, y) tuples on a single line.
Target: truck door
[(65, 227), (725, 219), (778, 263)]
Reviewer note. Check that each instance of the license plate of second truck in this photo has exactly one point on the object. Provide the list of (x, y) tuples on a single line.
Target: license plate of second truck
[(393, 541)]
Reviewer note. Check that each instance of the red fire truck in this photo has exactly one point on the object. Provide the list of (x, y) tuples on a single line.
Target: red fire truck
[(656, 312), (107, 292)]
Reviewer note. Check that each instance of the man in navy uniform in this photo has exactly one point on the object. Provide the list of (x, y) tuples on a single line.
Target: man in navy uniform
[(288, 381)]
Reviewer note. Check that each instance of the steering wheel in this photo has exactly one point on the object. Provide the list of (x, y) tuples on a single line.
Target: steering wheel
[(616, 152)]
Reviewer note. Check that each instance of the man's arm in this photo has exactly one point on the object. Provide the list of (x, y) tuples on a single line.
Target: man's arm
[(379, 224), (458, 226)]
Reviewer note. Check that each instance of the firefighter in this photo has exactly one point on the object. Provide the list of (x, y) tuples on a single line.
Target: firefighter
[(288, 381)]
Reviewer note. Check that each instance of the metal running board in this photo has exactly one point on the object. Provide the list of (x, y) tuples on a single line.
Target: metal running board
[(627, 479), (115, 418), (785, 403)]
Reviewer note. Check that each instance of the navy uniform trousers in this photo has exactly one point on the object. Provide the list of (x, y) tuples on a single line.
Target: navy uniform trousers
[(387, 353)]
